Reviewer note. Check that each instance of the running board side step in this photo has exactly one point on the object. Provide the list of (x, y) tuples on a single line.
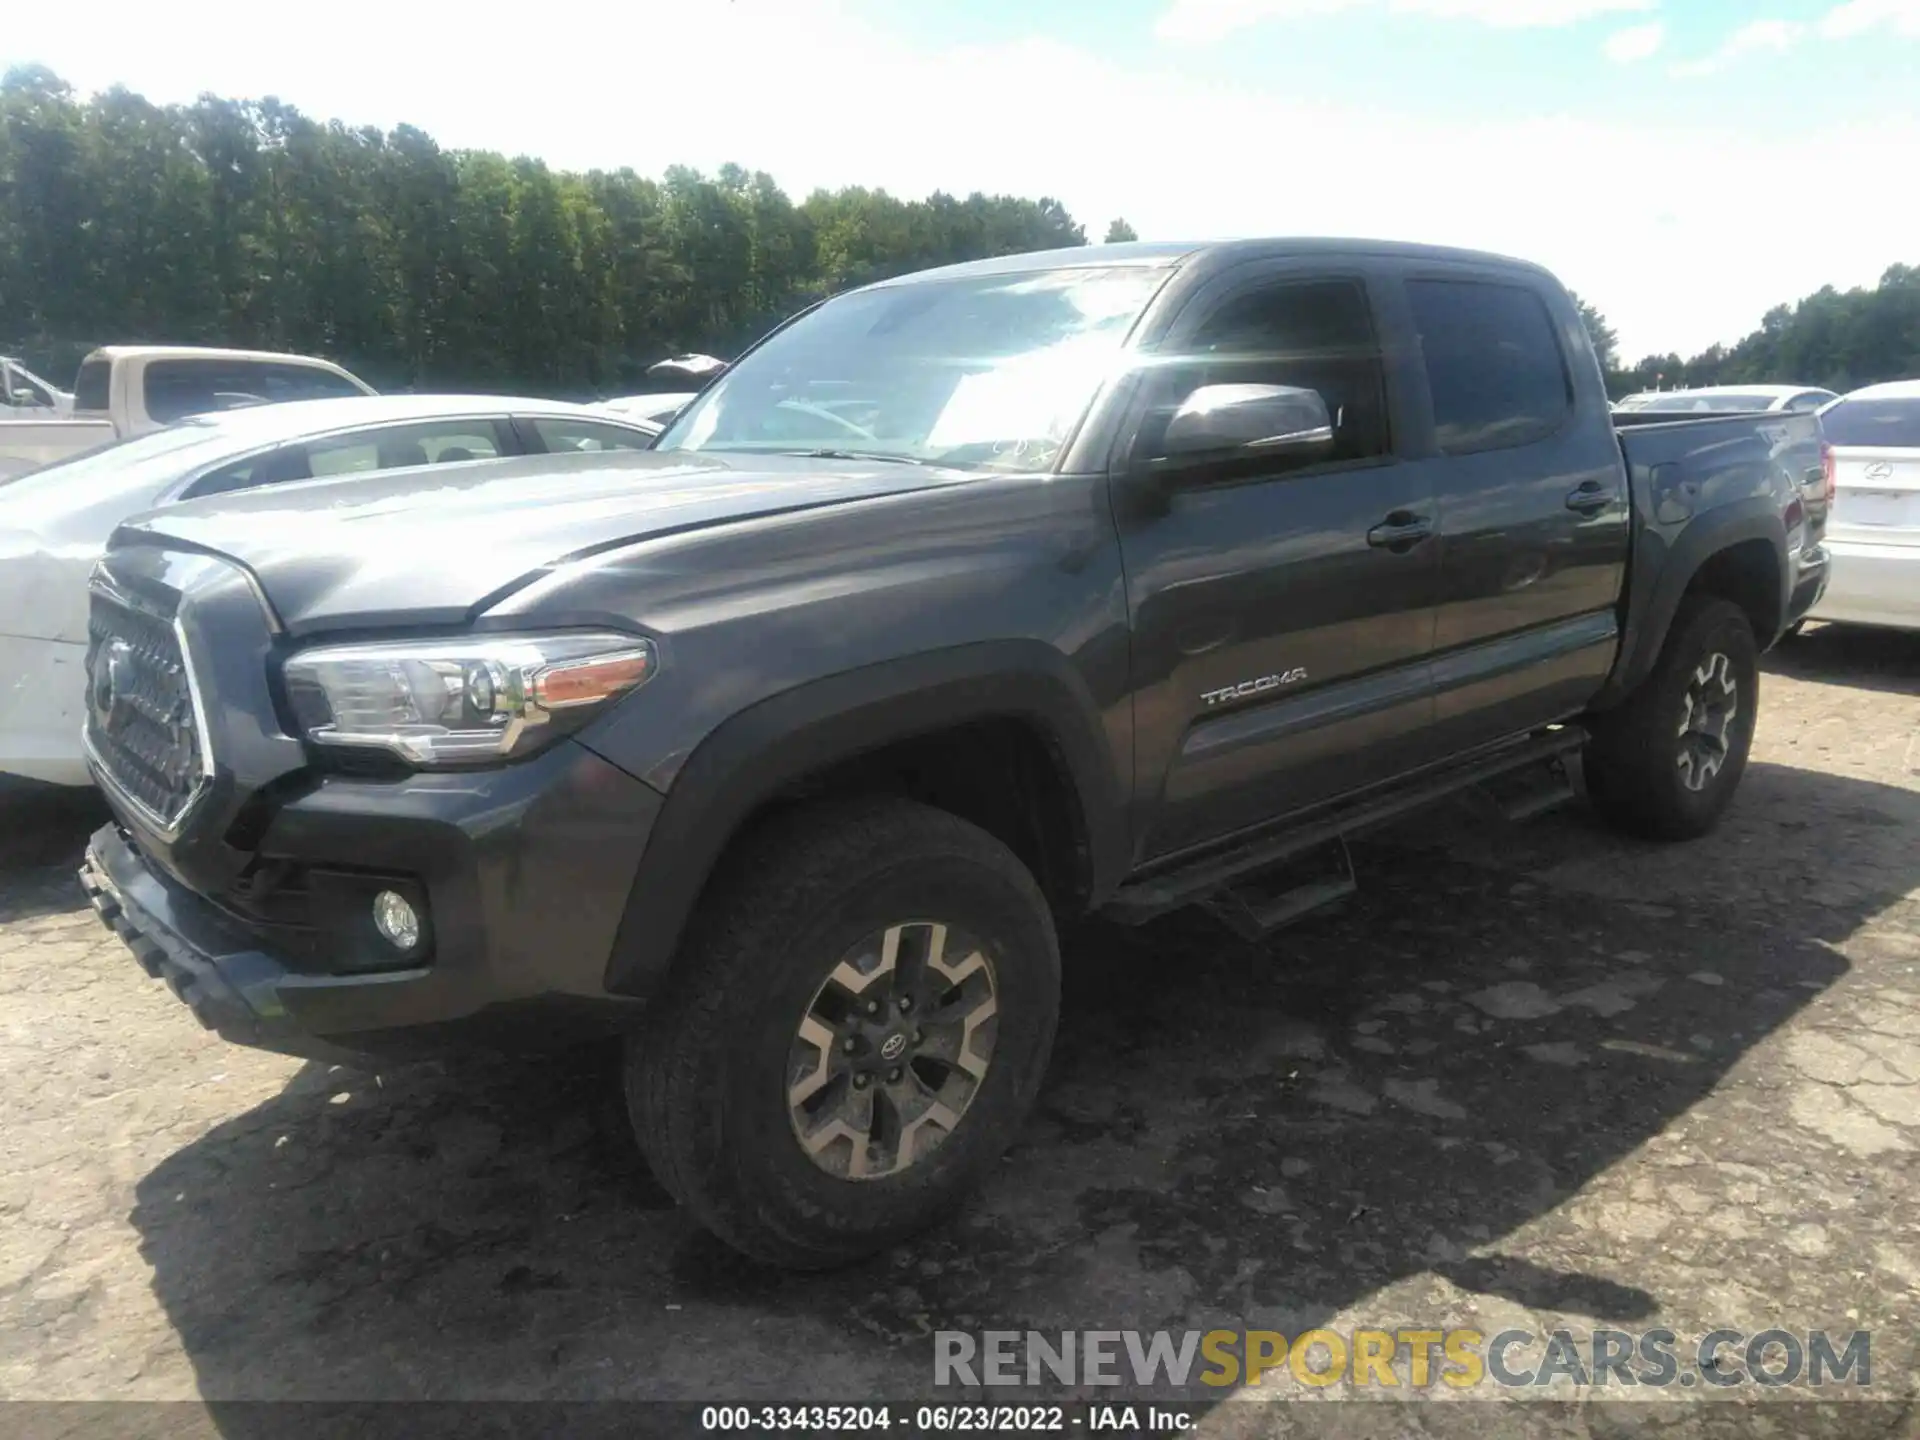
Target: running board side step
[(1253, 916), (1217, 880)]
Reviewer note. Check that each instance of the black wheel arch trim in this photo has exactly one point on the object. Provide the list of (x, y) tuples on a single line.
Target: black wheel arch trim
[(1661, 570), (752, 756)]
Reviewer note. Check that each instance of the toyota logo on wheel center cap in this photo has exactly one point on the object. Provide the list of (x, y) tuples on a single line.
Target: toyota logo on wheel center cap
[(893, 1047)]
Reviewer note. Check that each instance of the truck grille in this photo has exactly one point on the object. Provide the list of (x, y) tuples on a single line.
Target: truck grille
[(141, 720)]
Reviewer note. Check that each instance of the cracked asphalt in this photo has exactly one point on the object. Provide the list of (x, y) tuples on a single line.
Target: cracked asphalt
[(1532, 1077)]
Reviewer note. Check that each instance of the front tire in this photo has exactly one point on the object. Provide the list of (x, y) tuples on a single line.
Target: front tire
[(1665, 764), (857, 1028)]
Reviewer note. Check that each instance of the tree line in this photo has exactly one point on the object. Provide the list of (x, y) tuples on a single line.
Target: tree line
[(241, 222), (1839, 340), (247, 223)]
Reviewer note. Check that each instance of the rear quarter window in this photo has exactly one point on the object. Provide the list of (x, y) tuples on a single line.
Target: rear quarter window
[(90, 386), (1877, 424), (1494, 364)]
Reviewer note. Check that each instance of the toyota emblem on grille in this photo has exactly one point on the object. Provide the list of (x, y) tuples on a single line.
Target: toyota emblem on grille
[(1880, 470), (112, 682)]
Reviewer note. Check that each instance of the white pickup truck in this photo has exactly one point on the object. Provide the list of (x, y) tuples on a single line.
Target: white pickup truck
[(127, 390)]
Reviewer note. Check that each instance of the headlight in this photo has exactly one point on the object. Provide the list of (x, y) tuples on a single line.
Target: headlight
[(462, 701)]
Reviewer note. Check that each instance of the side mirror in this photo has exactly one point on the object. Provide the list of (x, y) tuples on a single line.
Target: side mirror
[(692, 372), (1222, 422)]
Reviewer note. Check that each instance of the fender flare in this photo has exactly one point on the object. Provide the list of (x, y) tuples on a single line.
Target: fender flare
[(750, 757), (1662, 569)]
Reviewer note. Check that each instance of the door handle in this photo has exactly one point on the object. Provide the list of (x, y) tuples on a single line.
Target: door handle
[(1590, 496), (1400, 532)]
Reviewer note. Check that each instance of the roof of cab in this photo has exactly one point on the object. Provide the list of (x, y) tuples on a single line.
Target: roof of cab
[(1170, 253), (198, 352)]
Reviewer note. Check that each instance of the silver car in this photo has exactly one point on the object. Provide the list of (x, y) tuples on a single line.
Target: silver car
[(55, 521)]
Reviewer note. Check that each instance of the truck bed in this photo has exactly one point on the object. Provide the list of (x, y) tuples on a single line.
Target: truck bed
[(28, 444), (1737, 466)]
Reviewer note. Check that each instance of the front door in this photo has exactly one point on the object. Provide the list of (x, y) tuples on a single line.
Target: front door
[(1282, 607)]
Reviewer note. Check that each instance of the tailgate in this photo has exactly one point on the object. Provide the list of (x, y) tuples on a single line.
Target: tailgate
[(1876, 496)]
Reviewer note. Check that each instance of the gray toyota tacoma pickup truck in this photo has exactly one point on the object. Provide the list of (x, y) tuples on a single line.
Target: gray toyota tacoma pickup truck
[(1107, 580)]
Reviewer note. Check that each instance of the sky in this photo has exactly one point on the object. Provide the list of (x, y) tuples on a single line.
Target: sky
[(1683, 164)]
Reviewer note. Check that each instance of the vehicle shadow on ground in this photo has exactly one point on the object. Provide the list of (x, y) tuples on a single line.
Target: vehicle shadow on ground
[(1232, 1134), (1851, 655), (43, 837)]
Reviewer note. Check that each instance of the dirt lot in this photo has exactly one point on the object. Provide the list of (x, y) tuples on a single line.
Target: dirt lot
[(1532, 1077)]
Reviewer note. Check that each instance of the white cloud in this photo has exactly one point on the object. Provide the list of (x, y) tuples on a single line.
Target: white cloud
[(1636, 42), (1775, 36), (1844, 22), (1857, 17), (1206, 20), (810, 92)]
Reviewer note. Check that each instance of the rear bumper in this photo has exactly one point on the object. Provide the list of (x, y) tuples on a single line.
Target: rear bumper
[(42, 686), (1872, 585), (1812, 572), (524, 874)]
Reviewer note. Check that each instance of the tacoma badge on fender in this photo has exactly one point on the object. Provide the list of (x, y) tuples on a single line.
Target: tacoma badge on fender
[(1253, 687)]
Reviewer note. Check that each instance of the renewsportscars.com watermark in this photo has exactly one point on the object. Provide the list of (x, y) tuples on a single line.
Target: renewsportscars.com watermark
[(1403, 1359)]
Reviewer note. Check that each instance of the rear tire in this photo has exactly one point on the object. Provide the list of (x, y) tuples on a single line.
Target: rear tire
[(1665, 763), (783, 1092)]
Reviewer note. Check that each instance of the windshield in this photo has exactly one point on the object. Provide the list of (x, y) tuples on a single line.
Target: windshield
[(1879, 424), (990, 372)]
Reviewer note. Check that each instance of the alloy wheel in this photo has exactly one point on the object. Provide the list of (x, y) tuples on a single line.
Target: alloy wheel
[(892, 1050), (1708, 710)]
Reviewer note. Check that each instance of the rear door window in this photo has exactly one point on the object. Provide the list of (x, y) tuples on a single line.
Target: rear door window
[(432, 442), (1892, 424), (1493, 362)]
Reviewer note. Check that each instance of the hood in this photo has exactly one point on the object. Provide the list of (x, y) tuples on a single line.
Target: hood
[(436, 545)]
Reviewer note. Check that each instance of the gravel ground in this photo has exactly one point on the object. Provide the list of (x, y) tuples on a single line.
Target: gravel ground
[(1532, 1077)]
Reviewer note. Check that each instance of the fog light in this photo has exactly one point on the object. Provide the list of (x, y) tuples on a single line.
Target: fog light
[(396, 919)]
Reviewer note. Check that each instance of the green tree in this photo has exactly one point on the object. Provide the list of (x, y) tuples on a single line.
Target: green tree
[(247, 222), (1836, 339), (1606, 344), (1119, 230)]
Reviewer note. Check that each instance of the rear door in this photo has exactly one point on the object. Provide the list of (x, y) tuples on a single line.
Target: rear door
[(1532, 503), (1282, 608), (1876, 454)]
